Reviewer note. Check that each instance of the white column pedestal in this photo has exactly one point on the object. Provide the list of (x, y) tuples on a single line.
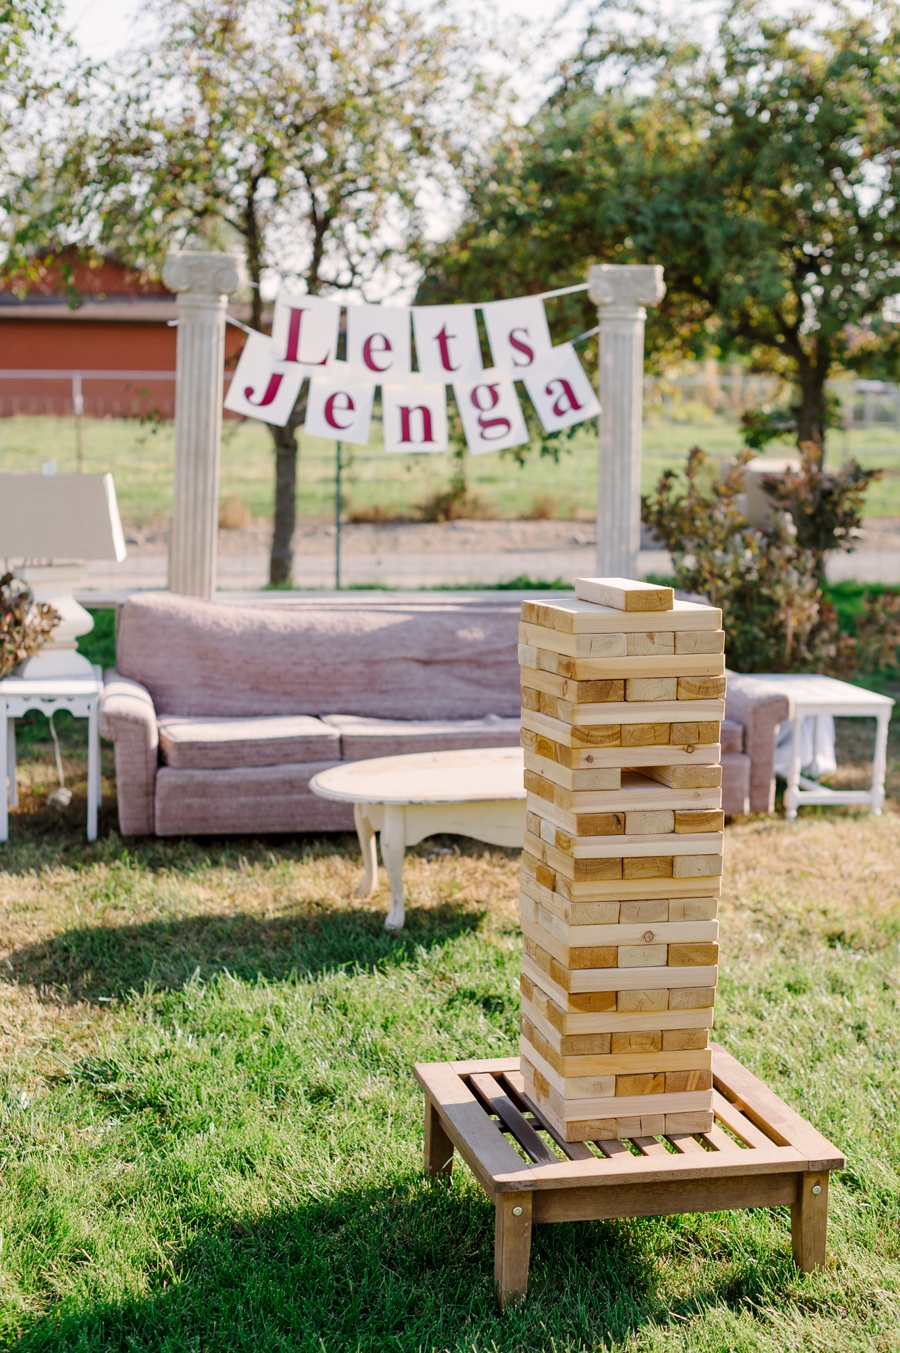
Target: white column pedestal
[(621, 292)]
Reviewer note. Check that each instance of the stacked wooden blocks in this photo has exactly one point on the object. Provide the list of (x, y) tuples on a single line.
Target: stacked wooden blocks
[(622, 697)]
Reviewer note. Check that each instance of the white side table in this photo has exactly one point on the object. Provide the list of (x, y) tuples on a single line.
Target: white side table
[(477, 792), (81, 697), (824, 695)]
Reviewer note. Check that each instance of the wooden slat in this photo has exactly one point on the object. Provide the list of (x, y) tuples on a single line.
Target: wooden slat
[(763, 1107), (720, 1140), (739, 1123), (477, 1138), (649, 1146), (685, 1144), (574, 1150), (495, 1096), (612, 1148)]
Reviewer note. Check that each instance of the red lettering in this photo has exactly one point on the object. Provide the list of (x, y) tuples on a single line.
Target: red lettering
[(367, 351), (521, 347), (565, 391), (332, 407), (293, 342), (406, 418), (443, 339), (486, 424), (271, 392)]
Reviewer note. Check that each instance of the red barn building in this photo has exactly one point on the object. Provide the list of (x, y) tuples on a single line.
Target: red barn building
[(84, 317)]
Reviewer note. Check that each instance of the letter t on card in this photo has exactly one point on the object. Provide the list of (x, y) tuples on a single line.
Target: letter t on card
[(339, 408), (447, 346)]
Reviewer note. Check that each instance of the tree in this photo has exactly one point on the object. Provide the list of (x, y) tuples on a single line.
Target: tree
[(303, 130), (761, 170)]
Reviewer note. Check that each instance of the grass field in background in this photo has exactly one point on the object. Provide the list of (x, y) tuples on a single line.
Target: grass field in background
[(212, 1139), (141, 458)]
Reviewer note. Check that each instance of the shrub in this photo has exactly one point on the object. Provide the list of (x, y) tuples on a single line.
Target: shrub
[(24, 622), (768, 580)]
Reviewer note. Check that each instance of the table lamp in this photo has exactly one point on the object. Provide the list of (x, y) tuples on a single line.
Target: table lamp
[(50, 526)]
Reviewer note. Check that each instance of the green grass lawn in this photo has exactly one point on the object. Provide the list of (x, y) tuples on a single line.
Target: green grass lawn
[(212, 1139), (141, 458)]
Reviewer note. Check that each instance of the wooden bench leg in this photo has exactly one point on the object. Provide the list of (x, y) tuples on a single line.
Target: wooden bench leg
[(809, 1221), (512, 1247), (438, 1146)]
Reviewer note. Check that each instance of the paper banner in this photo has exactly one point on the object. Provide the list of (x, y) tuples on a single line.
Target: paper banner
[(415, 416), (256, 391), (304, 330), (447, 345), (339, 408), (378, 342), (560, 391), (518, 334), (491, 415)]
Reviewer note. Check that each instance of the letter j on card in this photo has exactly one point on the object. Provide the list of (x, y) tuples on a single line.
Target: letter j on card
[(339, 407), (415, 416), (491, 414), (256, 391), (447, 347)]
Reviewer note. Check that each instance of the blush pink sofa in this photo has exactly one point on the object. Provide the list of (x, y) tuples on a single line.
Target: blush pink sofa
[(222, 712)]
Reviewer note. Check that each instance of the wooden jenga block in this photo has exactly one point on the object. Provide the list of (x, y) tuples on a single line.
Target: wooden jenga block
[(625, 594), (685, 776), (650, 644), (690, 820), (552, 1015), (700, 641), (653, 688), (701, 688)]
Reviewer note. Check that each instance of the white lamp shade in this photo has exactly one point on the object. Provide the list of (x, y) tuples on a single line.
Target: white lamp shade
[(60, 516)]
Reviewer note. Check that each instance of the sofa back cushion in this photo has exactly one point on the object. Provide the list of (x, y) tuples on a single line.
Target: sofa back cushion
[(410, 659)]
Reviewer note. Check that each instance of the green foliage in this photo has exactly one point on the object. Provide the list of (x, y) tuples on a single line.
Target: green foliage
[(769, 580), (761, 171), (100, 645)]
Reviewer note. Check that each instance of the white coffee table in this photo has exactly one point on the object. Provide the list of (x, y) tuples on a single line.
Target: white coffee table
[(825, 695), (81, 697), (478, 792)]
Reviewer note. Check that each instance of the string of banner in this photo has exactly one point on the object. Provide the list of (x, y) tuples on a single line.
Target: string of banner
[(304, 342)]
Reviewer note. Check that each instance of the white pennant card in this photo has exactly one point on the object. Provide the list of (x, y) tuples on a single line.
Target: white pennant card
[(560, 391), (305, 331), (339, 407), (491, 414), (518, 334), (414, 415), (256, 390), (447, 347), (378, 341)]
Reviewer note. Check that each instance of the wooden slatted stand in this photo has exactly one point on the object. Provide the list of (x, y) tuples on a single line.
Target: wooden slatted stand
[(759, 1153)]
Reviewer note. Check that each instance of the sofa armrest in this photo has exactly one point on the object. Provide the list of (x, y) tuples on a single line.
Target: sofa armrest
[(128, 718), (760, 709)]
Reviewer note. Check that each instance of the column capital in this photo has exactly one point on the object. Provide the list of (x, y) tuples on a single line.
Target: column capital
[(626, 284), (212, 275)]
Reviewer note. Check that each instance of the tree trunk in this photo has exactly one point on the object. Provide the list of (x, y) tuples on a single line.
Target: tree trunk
[(285, 439), (811, 409)]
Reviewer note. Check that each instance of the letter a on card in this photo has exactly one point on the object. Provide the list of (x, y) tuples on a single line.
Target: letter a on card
[(305, 331), (447, 345), (560, 391), (378, 342), (518, 333), (415, 416), (339, 408), (491, 413), (256, 391)]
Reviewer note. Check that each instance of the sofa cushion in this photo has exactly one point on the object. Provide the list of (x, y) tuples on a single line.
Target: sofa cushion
[(732, 736), (431, 658), (245, 801), (201, 743), (362, 738), (735, 783)]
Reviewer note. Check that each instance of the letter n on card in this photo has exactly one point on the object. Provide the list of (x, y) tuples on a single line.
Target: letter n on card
[(339, 408), (256, 391), (415, 416)]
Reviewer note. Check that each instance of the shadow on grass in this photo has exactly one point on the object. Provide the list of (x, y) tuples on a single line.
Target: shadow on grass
[(110, 961), (404, 1269)]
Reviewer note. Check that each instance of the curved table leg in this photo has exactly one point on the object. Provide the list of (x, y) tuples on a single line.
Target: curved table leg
[(366, 833), (393, 844)]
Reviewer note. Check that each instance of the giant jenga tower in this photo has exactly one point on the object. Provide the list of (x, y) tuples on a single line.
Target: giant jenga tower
[(622, 697)]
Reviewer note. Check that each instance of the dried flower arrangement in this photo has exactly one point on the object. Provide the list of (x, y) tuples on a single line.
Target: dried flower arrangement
[(25, 624)]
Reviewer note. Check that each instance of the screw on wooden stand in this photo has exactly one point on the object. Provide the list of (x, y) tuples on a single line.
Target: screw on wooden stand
[(817, 1188), (517, 1211)]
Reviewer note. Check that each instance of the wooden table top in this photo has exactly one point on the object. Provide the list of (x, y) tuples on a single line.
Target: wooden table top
[(474, 774)]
